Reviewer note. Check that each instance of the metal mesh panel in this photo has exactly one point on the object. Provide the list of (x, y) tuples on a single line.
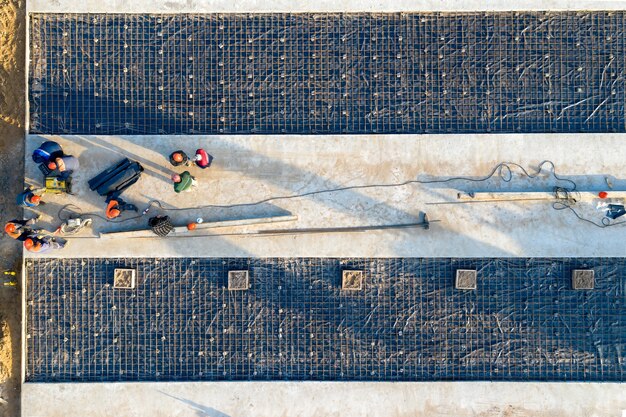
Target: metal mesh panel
[(408, 323), (327, 73)]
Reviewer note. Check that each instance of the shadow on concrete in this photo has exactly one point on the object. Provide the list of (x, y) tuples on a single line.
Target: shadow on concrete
[(151, 167), (201, 410), (310, 182), (88, 204), (361, 207), (364, 207)]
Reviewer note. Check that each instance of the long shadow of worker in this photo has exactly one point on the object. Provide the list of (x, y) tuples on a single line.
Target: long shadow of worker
[(153, 168), (201, 410), (143, 120), (370, 206)]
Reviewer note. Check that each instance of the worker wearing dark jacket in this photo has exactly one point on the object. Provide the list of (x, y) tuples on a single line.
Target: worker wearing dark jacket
[(115, 206), (19, 229), (40, 244), (178, 158)]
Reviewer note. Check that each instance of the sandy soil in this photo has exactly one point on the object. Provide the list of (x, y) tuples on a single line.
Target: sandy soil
[(12, 107)]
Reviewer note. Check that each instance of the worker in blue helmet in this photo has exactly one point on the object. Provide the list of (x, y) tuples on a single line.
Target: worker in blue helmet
[(47, 152)]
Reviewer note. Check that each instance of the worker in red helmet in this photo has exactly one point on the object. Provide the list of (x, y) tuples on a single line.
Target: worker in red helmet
[(19, 229), (28, 198), (178, 158), (202, 159)]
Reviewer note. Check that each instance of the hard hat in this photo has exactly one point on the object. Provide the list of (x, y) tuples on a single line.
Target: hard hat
[(177, 156), (113, 213), (191, 226), (28, 243), (9, 228), (176, 178), (52, 165), (35, 199)]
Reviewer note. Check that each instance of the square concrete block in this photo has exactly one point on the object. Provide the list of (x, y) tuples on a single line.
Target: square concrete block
[(124, 278), (583, 279), (238, 280), (352, 280), (465, 279)]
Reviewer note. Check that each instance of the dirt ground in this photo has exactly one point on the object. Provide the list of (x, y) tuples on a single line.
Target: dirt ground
[(12, 110)]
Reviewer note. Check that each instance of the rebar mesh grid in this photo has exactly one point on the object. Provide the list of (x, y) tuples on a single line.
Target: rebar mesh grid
[(327, 73), (408, 323)]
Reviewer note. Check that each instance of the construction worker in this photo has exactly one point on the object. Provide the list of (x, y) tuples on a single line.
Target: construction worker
[(18, 229), (37, 244), (65, 164), (48, 151), (178, 158), (115, 206), (183, 182), (28, 198), (202, 159)]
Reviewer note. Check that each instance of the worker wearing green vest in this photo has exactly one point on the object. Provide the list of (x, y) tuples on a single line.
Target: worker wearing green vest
[(183, 182)]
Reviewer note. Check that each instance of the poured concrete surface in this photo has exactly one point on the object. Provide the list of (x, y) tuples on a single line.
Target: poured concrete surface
[(302, 399), (274, 6), (252, 168)]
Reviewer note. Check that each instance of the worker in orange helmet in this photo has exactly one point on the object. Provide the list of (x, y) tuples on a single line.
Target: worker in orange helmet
[(28, 198), (115, 206), (65, 164), (113, 210), (178, 158), (37, 244), (19, 229)]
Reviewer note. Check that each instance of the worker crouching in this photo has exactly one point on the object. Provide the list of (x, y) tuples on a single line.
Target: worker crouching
[(47, 152), (178, 158), (115, 206), (20, 229), (65, 165), (40, 244)]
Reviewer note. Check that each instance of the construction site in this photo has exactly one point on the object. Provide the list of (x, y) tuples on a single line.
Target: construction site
[(246, 209)]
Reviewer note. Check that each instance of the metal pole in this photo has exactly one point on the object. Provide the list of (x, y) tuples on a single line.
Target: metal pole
[(424, 225)]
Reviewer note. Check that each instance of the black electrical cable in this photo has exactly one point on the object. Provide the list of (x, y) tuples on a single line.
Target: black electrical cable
[(77, 212), (503, 170), (566, 201)]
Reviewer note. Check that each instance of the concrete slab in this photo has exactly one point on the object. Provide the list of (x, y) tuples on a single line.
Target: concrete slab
[(314, 399), (224, 6), (253, 168)]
